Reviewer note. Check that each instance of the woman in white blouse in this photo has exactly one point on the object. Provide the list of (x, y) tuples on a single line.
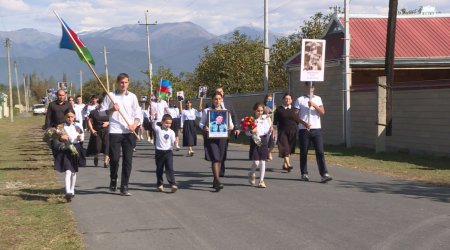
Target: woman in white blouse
[(189, 126)]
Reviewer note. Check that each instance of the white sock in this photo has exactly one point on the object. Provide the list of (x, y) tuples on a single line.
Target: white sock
[(73, 181), (67, 181), (254, 165), (262, 170)]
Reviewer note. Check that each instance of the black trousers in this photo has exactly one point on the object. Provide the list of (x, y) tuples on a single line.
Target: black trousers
[(116, 142), (164, 160), (305, 138)]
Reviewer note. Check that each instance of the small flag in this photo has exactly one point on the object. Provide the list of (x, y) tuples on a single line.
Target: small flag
[(165, 88), (70, 40)]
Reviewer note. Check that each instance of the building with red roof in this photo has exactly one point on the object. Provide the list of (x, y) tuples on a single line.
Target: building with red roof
[(421, 87)]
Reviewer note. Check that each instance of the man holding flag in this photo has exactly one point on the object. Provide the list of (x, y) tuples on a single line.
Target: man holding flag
[(121, 131)]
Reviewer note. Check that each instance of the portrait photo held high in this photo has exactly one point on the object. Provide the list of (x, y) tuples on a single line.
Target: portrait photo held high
[(312, 60)]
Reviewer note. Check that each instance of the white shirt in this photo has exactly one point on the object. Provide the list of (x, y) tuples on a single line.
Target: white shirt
[(174, 112), (89, 108), (73, 131), (262, 126), (78, 108), (128, 105), (302, 104), (164, 138), (159, 108), (189, 115)]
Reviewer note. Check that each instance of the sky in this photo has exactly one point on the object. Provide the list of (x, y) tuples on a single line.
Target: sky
[(216, 16)]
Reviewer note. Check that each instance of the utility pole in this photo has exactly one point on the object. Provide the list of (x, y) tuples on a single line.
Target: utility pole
[(266, 46), (11, 107), (348, 79), (25, 94), (148, 50), (389, 63), (18, 89), (106, 67)]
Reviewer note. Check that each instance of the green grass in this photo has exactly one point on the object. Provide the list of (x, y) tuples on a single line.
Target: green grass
[(424, 168), (33, 212)]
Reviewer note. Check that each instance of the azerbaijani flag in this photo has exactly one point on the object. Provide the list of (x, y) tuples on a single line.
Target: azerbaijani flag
[(165, 88), (70, 40)]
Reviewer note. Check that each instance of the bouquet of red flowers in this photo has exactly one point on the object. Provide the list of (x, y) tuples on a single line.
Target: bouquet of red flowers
[(56, 133), (248, 124)]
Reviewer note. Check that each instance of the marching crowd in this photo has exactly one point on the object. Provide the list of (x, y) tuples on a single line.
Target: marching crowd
[(116, 121)]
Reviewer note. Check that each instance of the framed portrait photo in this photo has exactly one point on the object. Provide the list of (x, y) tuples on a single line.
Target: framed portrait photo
[(218, 123)]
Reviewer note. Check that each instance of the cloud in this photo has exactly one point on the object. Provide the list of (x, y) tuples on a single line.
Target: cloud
[(14, 5)]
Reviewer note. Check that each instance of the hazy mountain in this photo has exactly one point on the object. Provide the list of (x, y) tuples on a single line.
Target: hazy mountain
[(178, 46)]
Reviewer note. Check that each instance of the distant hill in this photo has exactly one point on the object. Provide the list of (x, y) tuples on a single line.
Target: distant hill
[(178, 46)]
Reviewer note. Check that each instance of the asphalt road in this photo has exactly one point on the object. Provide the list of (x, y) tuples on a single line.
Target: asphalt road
[(354, 211)]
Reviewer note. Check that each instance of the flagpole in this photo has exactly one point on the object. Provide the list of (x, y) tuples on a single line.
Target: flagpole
[(92, 70)]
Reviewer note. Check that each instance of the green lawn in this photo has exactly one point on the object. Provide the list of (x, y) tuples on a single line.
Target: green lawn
[(33, 212)]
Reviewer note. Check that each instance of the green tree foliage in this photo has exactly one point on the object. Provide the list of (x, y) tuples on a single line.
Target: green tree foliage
[(237, 66)]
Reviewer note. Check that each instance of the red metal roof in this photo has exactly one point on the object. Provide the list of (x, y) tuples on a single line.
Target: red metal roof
[(417, 37)]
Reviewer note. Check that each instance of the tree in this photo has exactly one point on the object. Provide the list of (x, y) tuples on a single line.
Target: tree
[(237, 65)]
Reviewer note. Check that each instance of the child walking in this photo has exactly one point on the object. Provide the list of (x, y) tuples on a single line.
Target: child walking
[(164, 141), (69, 154), (259, 153)]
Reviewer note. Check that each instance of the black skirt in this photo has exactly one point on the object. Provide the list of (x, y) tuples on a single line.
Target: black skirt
[(260, 153), (64, 160), (189, 133), (147, 125), (215, 149), (98, 144), (176, 123), (286, 142)]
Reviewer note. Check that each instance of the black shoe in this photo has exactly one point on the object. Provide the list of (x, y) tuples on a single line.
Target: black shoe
[(124, 191), (217, 186), (106, 165), (68, 197), (113, 186), (96, 161)]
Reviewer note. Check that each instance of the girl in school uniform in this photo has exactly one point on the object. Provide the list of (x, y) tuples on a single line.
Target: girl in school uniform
[(69, 155), (215, 148), (189, 126), (258, 154)]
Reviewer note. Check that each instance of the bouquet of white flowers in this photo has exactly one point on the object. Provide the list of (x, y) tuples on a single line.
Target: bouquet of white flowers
[(56, 133)]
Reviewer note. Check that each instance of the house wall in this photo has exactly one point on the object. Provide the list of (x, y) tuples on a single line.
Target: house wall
[(421, 117)]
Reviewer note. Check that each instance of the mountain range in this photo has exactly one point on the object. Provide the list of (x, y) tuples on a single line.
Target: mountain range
[(177, 46)]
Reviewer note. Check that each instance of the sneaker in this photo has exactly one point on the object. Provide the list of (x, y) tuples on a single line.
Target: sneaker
[(124, 191), (262, 184), (304, 177), (134, 149), (148, 139), (251, 178), (174, 188), (160, 188), (177, 148), (151, 141), (326, 178), (142, 137)]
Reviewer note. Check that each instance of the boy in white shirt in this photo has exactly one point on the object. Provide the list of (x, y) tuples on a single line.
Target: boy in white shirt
[(164, 141)]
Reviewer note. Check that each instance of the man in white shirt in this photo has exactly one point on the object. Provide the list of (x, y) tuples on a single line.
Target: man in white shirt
[(311, 109), (121, 131), (78, 108)]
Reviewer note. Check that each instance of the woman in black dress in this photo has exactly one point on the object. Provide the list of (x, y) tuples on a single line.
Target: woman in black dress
[(99, 139), (215, 148), (286, 119)]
